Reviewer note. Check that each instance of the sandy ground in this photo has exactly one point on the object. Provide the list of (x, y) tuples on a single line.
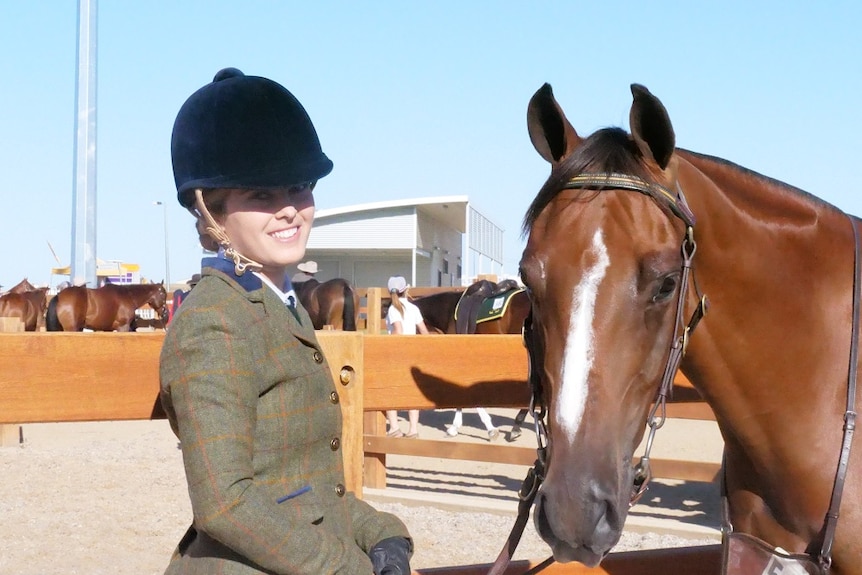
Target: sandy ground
[(110, 498)]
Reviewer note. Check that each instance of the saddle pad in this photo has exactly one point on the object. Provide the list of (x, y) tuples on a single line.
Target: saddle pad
[(495, 307)]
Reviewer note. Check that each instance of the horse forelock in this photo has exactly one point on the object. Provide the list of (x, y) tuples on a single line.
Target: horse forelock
[(607, 150)]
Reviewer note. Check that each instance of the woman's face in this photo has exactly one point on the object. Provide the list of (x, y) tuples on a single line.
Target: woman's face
[(270, 226)]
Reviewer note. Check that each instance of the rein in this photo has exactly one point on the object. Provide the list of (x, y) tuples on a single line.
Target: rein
[(677, 204), (831, 522), (822, 561)]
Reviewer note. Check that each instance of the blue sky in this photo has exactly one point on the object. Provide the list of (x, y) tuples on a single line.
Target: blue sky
[(412, 99)]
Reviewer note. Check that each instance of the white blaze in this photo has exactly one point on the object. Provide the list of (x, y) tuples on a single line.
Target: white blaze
[(578, 356)]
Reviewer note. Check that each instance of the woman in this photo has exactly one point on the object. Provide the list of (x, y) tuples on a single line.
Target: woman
[(243, 379), (403, 318)]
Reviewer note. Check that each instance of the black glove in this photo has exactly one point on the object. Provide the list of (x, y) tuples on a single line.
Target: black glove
[(391, 557)]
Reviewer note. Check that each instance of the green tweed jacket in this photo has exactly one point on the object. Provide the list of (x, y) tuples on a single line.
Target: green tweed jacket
[(249, 395)]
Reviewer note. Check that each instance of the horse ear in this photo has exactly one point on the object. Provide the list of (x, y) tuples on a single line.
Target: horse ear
[(651, 127), (550, 131)]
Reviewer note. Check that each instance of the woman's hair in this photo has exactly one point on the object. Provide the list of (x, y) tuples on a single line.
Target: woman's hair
[(215, 202), (396, 301)]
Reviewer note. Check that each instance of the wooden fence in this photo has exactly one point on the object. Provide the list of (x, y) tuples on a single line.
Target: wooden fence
[(501, 357), (53, 377)]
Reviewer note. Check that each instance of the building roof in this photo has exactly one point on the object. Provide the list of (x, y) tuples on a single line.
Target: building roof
[(451, 210)]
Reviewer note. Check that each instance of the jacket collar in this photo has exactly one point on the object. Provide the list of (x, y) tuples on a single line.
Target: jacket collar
[(304, 329), (249, 281)]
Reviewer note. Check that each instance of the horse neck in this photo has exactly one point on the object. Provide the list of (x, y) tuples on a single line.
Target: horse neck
[(22, 287), (754, 203), (139, 294), (768, 257)]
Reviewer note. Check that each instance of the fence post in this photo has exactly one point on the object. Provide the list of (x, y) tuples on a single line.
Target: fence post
[(375, 463), (344, 353), (374, 311), (11, 434)]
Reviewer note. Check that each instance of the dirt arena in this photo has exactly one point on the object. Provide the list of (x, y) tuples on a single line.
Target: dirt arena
[(110, 498)]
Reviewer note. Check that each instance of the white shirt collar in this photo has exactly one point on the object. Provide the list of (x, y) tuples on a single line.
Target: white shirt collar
[(282, 295)]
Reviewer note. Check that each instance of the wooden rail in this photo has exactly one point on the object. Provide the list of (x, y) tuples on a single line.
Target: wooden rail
[(702, 560), (110, 376), (54, 377)]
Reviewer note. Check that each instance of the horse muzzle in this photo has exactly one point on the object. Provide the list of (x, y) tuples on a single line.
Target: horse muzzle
[(583, 532)]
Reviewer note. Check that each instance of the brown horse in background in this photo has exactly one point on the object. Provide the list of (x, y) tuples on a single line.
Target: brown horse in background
[(108, 308), (438, 311), (333, 302), (439, 314), (26, 302), (21, 287)]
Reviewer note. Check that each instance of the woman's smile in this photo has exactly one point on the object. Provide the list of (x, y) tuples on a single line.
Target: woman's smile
[(287, 234)]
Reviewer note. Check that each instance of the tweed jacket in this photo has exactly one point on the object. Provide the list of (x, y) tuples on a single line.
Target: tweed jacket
[(249, 394)]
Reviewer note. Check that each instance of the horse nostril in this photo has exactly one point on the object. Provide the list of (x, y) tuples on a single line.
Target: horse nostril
[(608, 516)]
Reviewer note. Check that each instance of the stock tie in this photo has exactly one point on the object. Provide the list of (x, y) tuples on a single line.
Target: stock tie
[(291, 305)]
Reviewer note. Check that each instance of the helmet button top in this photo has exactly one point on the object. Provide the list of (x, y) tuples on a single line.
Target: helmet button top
[(226, 73)]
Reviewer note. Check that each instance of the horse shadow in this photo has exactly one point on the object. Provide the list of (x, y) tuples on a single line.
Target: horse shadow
[(494, 486), (440, 391), (691, 502)]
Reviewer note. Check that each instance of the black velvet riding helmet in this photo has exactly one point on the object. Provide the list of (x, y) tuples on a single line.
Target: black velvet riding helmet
[(243, 132)]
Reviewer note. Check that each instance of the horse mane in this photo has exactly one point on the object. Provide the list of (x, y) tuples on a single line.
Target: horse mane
[(748, 172), (606, 150)]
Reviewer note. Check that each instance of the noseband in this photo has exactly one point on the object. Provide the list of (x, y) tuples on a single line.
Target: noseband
[(678, 206)]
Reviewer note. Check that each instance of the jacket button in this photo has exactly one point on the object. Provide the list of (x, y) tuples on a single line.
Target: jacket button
[(318, 357), (333, 397), (340, 490), (335, 444)]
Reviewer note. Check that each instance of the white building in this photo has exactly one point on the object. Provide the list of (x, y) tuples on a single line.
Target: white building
[(440, 241)]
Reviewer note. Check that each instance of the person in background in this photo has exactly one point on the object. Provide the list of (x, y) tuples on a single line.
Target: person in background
[(484, 417), (180, 294), (307, 271), (244, 381), (405, 318)]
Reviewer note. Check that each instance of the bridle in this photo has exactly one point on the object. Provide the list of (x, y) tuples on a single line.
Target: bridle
[(678, 206)]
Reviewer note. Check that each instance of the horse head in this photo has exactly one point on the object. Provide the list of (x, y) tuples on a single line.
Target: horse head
[(22, 287), (602, 265), (158, 299)]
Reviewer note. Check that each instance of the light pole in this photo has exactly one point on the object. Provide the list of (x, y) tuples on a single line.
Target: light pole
[(167, 249)]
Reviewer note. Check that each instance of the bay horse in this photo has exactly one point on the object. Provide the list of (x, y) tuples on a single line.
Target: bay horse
[(333, 302), (27, 304), (609, 265), (107, 308), (22, 286), (439, 313)]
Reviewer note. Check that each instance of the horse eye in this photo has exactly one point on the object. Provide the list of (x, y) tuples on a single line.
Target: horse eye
[(666, 289)]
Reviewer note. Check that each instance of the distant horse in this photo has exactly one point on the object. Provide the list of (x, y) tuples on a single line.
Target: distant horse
[(108, 308), (616, 291), (513, 304), (438, 309), (29, 306), (333, 302), (22, 286)]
